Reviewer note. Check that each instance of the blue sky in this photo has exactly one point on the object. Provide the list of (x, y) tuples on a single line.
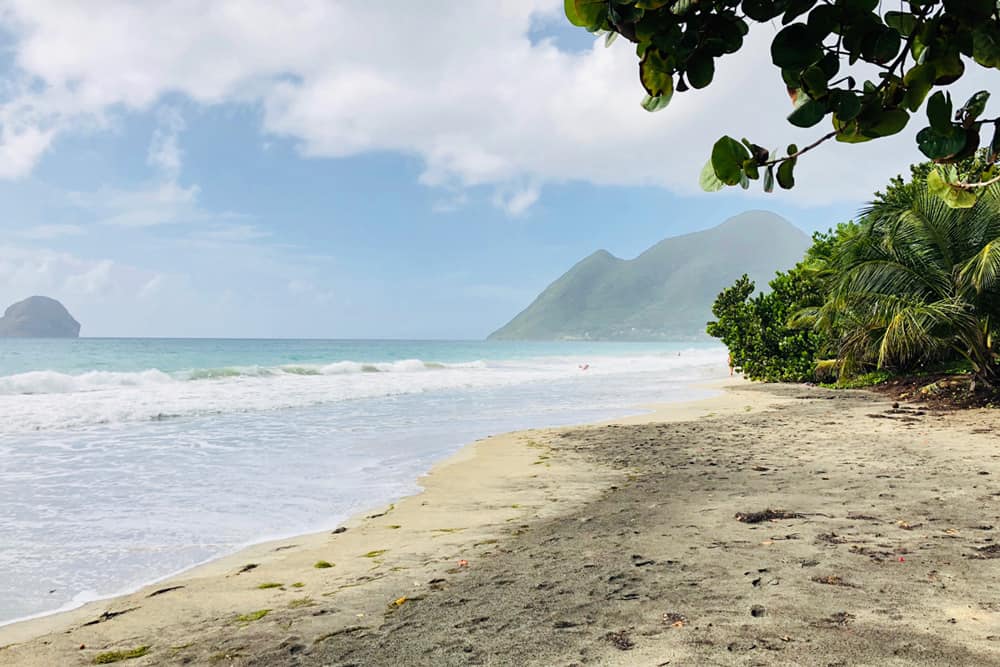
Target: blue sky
[(258, 178)]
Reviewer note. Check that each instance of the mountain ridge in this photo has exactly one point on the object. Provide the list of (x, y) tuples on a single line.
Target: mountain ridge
[(664, 292)]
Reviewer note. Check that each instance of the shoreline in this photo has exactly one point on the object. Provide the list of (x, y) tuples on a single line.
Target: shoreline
[(616, 543), (25, 630), (713, 387)]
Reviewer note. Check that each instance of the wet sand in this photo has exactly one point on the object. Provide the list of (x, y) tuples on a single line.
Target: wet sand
[(643, 542)]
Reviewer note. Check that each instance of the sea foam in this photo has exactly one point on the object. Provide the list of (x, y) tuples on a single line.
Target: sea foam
[(41, 400)]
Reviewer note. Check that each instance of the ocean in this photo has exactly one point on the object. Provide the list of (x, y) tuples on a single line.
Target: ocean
[(123, 461)]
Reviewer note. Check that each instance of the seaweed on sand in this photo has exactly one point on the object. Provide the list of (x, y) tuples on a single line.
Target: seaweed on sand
[(766, 515), (109, 657)]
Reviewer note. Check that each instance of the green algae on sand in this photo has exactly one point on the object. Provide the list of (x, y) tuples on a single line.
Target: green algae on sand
[(109, 657), (253, 616)]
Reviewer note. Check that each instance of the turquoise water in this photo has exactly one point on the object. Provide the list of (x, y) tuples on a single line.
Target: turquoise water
[(179, 354), (124, 460)]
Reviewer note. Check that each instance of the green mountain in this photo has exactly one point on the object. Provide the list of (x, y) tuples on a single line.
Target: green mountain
[(666, 292)]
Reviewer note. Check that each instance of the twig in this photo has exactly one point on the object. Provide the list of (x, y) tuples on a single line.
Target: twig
[(825, 137), (981, 184)]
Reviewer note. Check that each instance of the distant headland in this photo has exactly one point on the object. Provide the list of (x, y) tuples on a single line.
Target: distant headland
[(38, 317)]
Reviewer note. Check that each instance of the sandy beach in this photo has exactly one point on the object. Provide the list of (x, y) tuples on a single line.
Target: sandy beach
[(771, 525)]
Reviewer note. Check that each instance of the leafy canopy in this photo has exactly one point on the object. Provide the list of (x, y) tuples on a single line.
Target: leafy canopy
[(915, 284), (919, 283), (756, 329), (909, 50)]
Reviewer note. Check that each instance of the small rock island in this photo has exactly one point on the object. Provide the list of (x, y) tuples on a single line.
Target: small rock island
[(38, 317)]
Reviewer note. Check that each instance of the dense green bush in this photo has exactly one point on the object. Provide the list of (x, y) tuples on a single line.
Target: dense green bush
[(756, 331), (915, 285)]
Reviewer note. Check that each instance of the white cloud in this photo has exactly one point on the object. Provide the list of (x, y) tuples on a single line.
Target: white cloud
[(165, 200), (164, 151), (26, 271), (50, 232), (157, 204), (457, 83), (235, 233)]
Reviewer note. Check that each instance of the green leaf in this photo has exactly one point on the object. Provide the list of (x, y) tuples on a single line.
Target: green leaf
[(886, 46), (656, 74), (939, 111), (589, 14), (938, 145), (786, 174), (681, 6), (769, 180), (845, 105), (708, 181), (824, 19), (814, 80), (700, 70), (569, 8), (795, 47), (654, 104), (986, 44), (886, 124), (849, 132), (948, 65), (808, 114), (795, 9), (976, 105), (994, 152), (901, 22), (919, 80), (727, 160), (761, 10), (610, 38), (939, 184)]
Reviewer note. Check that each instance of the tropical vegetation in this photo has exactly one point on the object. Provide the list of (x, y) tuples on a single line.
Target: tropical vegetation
[(913, 285), (906, 49)]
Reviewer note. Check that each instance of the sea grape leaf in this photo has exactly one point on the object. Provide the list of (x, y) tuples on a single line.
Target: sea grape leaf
[(808, 114), (941, 145), (919, 81), (589, 14), (901, 22), (769, 179), (888, 123), (940, 183), (708, 181), (727, 160), (653, 104), (700, 70), (976, 105), (795, 47), (655, 74), (939, 111), (986, 44)]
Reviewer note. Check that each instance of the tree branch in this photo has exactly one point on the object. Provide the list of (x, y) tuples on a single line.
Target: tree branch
[(981, 184), (825, 137)]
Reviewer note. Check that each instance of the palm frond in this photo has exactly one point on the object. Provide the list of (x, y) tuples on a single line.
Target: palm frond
[(982, 270)]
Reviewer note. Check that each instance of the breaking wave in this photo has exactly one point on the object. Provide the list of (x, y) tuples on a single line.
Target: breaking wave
[(46, 399)]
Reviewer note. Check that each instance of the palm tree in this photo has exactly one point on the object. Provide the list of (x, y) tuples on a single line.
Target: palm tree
[(918, 282)]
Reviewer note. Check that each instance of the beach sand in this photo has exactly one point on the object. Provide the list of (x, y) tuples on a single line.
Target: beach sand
[(618, 544)]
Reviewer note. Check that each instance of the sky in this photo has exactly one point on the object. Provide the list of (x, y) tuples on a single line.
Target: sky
[(343, 169)]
